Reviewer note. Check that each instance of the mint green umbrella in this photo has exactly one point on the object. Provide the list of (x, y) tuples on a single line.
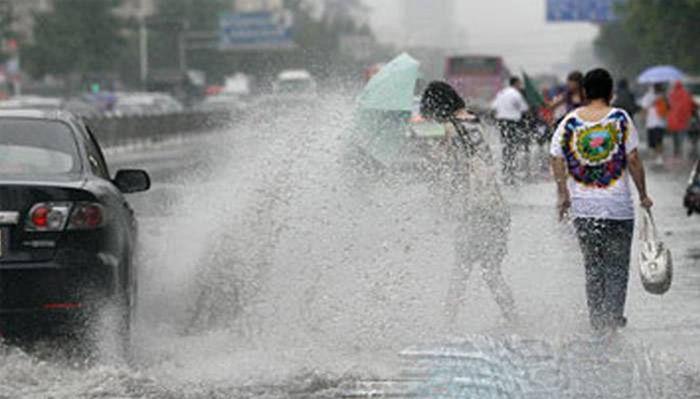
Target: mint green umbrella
[(384, 107), (393, 88)]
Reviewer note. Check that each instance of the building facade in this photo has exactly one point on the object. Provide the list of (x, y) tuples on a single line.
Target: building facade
[(430, 23), (259, 5)]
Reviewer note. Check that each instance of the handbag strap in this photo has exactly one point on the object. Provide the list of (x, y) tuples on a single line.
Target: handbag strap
[(649, 230)]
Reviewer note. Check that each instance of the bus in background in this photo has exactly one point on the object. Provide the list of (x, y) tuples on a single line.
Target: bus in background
[(476, 77)]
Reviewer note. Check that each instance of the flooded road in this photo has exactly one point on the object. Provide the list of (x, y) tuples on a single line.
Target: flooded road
[(268, 270)]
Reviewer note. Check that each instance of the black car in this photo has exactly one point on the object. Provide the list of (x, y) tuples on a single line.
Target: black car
[(692, 195), (67, 234)]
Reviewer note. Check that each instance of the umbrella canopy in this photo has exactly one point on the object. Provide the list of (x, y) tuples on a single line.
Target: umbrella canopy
[(661, 74), (392, 89), (532, 94)]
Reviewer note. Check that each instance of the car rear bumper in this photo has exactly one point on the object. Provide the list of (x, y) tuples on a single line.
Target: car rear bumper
[(56, 288)]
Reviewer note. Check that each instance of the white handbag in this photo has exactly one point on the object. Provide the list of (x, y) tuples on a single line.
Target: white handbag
[(655, 261)]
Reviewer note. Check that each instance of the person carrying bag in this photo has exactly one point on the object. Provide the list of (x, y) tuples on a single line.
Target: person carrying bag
[(595, 159)]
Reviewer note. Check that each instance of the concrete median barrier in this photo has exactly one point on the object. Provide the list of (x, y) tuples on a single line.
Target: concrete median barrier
[(113, 131)]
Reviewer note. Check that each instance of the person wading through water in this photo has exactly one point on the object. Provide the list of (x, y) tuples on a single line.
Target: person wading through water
[(476, 202), (594, 153), (510, 106)]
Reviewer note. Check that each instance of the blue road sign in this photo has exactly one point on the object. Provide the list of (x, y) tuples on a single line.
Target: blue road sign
[(581, 10), (256, 30)]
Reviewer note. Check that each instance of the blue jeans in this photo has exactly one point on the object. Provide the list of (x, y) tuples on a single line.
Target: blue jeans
[(606, 246)]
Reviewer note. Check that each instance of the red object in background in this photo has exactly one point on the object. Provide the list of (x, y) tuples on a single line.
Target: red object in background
[(369, 72), (546, 113), (11, 44), (214, 90), (681, 110)]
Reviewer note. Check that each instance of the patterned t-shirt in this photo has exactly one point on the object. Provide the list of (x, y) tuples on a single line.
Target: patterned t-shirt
[(596, 157)]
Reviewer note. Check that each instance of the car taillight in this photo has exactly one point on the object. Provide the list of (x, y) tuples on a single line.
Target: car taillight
[(58, 216), (86, 216), (50, 216)]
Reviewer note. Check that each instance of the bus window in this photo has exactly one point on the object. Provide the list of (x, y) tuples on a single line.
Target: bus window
[(476, 77)]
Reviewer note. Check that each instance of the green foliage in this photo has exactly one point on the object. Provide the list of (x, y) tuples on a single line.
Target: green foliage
[(317, 38), (200, 15), (653, 32), (77, 36), (7, 19), (197, 16)]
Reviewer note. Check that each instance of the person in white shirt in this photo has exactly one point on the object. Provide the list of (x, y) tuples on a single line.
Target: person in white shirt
[(594, 158), (510, 106), (655, 105)]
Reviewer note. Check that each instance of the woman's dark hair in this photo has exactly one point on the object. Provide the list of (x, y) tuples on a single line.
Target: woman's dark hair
[(440, 101), (598, 85), (575, 76)]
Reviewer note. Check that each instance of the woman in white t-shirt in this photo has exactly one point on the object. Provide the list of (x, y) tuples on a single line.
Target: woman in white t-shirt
[(594, 154), (655, 104)]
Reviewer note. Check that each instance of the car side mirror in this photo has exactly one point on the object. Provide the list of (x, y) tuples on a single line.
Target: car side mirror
[(131, 181)]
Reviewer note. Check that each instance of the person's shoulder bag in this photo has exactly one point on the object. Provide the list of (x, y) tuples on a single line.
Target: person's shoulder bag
[(655, 260)]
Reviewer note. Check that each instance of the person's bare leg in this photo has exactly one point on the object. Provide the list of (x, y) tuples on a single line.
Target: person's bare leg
[(500, 289), (456, 294), (460, 276)]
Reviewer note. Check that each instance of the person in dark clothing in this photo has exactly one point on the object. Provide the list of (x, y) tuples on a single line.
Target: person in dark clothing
[(625, 99), (573, 97)]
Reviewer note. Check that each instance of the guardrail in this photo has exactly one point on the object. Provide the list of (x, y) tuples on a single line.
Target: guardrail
[(112, 131)]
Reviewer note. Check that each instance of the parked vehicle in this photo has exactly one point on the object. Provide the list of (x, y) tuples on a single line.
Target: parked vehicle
[(135, 104), (67, 232), (32, 102), (223, 102)]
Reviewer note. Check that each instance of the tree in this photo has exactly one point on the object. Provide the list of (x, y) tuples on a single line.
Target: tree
[(653, 32), (76, 38), (7, 20), (165, 26)]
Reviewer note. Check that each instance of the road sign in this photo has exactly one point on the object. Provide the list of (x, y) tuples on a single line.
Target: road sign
[(256, 30), (582, 10)]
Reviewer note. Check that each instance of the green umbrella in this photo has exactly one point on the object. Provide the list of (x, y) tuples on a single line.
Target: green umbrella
[(532, 95), (393, 88), (384, 108)]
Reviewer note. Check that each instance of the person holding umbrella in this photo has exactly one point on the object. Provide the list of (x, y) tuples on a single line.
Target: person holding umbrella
[(481, 212), (655, 105)]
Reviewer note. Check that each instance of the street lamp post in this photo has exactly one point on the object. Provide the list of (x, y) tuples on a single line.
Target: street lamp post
[(143, 45)]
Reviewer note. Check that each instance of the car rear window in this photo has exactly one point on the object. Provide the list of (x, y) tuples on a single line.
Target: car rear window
[(37, 148)]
